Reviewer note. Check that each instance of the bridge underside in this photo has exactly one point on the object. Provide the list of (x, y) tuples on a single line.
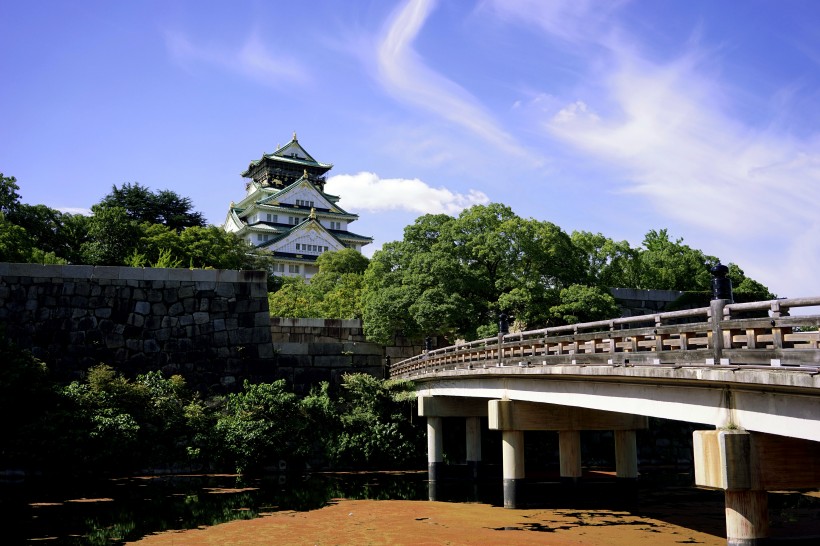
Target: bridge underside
[(723, 401)]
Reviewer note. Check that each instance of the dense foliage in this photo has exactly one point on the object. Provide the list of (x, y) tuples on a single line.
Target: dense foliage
[(333, 292), (452, 277), (130, 226), (107, 422)]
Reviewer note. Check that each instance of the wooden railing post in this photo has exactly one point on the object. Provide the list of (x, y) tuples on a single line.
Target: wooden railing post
[(716, 316)]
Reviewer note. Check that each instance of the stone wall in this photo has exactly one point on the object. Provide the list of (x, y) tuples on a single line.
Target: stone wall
[(212, 326), (310, 350)]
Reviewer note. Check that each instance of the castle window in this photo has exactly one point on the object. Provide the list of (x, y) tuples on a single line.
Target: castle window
[(293, 269)]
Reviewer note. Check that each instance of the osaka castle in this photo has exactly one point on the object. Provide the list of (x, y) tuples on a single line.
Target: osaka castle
[(287, 212)]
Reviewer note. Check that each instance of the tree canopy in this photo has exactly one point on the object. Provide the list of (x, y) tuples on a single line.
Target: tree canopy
[(130, 226), (453, 276), (162, 207)]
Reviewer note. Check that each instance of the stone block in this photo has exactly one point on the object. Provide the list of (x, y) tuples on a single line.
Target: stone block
[(227, 276), (131, 273), (103, 312), (170, 295), (217, 305), (266, 350), (189, 304), (176, 309), (220, 339), (260, 335), (333, 361), (301, 361), (178, 274), (106, 272), (225, 290), (205, 286), (204, 276), (159, 309), (201, 317), (142, 307), (154, 295)]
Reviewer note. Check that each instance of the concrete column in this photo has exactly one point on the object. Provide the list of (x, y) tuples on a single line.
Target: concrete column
[(512, 454), (435, 449), (569, 455), (747, 518), (626, 454), (473, 446)]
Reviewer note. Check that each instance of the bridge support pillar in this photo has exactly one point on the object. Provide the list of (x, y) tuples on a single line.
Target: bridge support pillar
[(512, 453), (748, 464), (569, 455), (435, 449), (626, 455), (473, 446)]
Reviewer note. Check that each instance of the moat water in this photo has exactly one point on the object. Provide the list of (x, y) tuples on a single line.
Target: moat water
[(116, 511)]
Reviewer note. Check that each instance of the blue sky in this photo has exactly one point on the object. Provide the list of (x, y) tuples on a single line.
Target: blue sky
[(606, 116)]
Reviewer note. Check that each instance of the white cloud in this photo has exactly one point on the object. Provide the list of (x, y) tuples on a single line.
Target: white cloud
[(366, 191), (669, 130), (404, 74), (252, 60)]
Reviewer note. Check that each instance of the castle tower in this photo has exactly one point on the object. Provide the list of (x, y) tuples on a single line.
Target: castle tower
[(286, 212)]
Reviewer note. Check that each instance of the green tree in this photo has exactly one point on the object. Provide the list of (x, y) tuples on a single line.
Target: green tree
[(293, 299), (609, 263), (259, 426), (163, 207), (9, 198), (374, 427), (15, 243), (580, 303), (671, 265), (113, 236), (120, 424), (452, 276)]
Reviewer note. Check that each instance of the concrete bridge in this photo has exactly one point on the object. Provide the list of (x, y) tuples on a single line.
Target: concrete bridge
[(749, 372)]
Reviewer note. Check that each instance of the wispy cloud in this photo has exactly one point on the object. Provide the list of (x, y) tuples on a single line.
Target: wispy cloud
[(404, 74), (366, 191), (251, 59), (669, 128)]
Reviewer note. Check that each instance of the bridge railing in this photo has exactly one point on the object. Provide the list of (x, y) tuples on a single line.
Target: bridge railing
[(736, 334)]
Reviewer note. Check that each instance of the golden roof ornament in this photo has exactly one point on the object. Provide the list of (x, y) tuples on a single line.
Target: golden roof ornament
[(312, 213), (305, 175), (294, 135)]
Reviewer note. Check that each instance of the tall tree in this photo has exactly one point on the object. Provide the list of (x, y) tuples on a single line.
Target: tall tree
[(163, 207), (672, 265), (609, 263), (452, 276), (113, 236)]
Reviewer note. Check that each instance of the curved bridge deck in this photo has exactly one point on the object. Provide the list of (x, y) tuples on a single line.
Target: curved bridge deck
[(751, 371)]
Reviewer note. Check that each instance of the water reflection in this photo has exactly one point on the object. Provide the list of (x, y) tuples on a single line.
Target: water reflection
[(115, 511)]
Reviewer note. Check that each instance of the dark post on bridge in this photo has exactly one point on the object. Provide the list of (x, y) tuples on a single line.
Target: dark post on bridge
[(503, 324), (721, 296), (721, 285)]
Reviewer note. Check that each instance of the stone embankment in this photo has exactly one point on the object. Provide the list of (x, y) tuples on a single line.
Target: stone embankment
[(210, 325)]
